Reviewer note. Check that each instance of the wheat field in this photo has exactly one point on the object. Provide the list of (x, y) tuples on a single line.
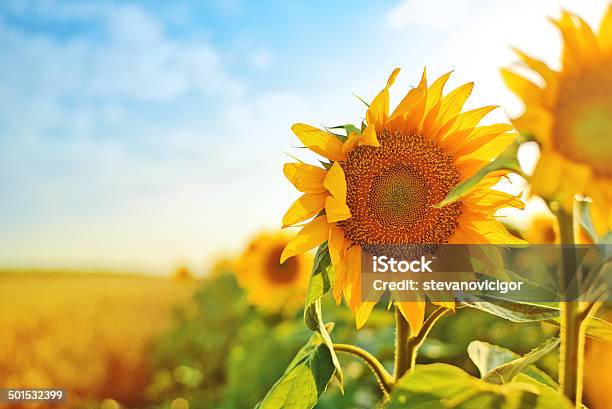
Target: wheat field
[(87, 333)]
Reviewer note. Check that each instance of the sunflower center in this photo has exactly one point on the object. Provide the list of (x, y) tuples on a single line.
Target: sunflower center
[(391, 190), (583, 119), (281, 273), (397, 195)]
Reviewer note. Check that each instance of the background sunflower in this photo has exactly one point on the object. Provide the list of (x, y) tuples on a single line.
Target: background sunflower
[(270, 284), (569, 112)]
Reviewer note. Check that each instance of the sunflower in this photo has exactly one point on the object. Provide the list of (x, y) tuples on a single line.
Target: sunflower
[(570, 114), (381, 185), (271, 285), (542, 229)]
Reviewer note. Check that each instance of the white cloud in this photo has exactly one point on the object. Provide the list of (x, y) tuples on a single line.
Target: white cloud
[(134, 58), (439, 14), (261, 58)]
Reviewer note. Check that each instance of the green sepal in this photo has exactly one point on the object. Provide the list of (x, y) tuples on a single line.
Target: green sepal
[(348, 128), (361, 99), (507, 160)]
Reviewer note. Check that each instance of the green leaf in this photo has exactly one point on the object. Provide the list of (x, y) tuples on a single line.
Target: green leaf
[(348, 128), (524, 312), (511, 310), (322, 275), (534, 289), (583, 216), (488, 357), (527, 379), (260, 353), (304, 380), (506, 372), (320, 283), (507, 160), (442, 386)]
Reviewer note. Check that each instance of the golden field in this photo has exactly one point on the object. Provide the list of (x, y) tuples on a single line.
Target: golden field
[(88, 333)]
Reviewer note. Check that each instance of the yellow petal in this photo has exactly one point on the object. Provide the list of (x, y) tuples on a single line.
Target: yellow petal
[(412, 98), (306, 178), (414, 312), (398, 124), (319, 141), (492, 200), (415, 117), (480, 136), (491, 179), (460, 236), (453, 102), (489, 230), (429, 128), (535, 122), (440, 133), (468, 167), (600, 191), (587, 39), (529, 92), (362, 313), (340, 282), (368, 137), (335, 182), (305, 207), (490, 149), (353, 262), (575, 54), (547, 74), (392, 77), (547, 174), (378, 112), (434, 92), (488, 130), (312, 234), (336, 210), (336, 244), (469, 119), (574, 178), (350, 142), (605, 31)]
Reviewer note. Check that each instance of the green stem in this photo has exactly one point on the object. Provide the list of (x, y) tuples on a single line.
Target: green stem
[(385, 380), (406, 351), (403, 361), (572, 337), (428, 325)]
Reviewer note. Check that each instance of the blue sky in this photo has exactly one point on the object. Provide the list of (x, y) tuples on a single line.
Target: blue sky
[(137, 135)]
